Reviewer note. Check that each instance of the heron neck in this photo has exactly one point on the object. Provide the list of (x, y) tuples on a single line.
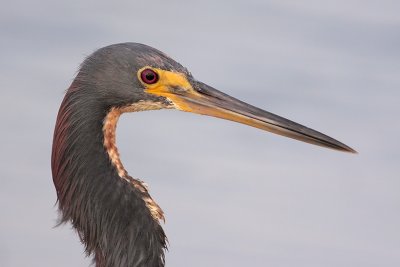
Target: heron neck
[(110, 214)]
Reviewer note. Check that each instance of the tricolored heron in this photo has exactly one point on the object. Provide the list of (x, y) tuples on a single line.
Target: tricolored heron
[(113, 213)]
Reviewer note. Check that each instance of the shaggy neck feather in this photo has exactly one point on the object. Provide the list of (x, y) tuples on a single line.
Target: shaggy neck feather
[(115, 218)]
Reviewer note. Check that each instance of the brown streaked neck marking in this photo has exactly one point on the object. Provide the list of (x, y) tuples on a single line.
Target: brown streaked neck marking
[(109, 129), (109, 142)]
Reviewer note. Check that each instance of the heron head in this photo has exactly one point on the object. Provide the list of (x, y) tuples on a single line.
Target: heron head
[(137, 77)]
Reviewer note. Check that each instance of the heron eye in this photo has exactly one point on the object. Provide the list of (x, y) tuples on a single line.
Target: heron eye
[(149, 76)]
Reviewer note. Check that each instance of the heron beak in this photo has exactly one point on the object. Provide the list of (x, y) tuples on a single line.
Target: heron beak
[(203, 99)]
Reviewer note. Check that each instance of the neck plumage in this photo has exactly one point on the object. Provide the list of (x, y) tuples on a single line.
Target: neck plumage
[(113, 213)]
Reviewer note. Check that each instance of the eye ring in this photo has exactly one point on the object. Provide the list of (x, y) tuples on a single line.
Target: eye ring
[(149, 76)]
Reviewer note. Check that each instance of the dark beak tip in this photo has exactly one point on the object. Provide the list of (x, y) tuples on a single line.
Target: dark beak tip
[(353, 151), (348, 149)]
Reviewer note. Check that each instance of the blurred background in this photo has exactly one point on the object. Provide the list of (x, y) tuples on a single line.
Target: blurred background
[(233, 195)]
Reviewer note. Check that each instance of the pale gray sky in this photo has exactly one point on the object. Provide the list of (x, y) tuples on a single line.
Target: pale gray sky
[(233, 195)]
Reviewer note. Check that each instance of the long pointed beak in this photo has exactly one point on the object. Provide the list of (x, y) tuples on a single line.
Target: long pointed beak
[(206, 100)]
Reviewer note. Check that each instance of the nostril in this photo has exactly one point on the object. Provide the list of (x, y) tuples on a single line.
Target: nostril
[(177, 89)]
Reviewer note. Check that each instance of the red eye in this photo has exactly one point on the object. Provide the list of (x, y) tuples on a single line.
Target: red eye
[(149, 76)]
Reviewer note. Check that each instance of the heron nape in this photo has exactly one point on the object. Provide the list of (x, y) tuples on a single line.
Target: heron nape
[(113, 213)]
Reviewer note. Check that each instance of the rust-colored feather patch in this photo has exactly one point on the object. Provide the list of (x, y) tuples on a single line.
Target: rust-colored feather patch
[(109, 132), (109, 129)]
